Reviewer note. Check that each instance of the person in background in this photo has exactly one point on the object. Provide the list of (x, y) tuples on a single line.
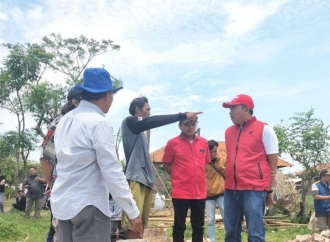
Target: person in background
[(251, 165), (215, 177), (2, 191), (321, 194), (35, 194), (47, 154), (184, 159), (48, 157), (20, 201), (117, 232)]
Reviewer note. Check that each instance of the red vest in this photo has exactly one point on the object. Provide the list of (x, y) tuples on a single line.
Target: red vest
[(247, 167)]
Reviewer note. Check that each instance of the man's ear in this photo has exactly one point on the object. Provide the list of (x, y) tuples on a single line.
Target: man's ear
[(75, 102)]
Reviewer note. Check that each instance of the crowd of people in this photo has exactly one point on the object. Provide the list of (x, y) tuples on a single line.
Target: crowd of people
[(92, 197)]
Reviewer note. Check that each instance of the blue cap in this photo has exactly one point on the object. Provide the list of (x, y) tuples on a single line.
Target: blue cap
[(97, 80)]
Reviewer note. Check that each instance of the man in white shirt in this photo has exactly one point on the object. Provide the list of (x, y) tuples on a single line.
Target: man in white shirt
[(88, 168)]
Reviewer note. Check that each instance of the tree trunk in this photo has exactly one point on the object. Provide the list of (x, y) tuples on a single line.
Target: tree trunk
[(16, 170), (38, 128), (305, 186), (24, 167)]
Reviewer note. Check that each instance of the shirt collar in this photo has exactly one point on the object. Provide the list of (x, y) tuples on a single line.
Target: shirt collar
[(90, 105), (184, 137)]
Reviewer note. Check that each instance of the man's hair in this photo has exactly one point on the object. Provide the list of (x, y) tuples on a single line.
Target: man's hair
[(19, 191), (90, 96), (137, 102), (31, 167), (250, 109), (212, 144), (67, 107)]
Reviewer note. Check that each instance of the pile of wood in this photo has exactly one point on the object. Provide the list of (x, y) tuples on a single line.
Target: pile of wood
[(288, 195), (279, 222)]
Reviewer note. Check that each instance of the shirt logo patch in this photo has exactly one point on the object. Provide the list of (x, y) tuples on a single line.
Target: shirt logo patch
[(250, 132), (201, 151)]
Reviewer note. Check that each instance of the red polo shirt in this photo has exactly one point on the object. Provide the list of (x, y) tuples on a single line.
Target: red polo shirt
[(188, 161)]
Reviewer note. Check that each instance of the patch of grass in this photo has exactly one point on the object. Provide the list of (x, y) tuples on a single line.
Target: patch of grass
[(310, 200), (272, 234), (14, 227)]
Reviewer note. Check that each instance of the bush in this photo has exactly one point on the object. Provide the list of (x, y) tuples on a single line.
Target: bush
[(10, 191)]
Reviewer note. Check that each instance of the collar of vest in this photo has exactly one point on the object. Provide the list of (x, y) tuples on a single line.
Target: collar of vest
[(248, 122)]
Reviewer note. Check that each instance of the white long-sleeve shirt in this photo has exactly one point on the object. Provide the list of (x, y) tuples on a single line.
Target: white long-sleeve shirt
[(87, 165)]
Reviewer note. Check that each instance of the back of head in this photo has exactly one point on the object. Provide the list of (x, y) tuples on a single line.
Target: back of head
[(74, 93), (137, 102)]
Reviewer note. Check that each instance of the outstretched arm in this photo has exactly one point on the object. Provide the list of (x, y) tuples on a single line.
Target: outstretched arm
[(137, 126)]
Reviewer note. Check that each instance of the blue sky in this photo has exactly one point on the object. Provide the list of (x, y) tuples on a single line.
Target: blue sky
[(192, 55)]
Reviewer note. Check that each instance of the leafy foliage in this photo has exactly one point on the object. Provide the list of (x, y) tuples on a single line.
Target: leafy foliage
[(21, 68), (72, 55), (44, 101), (23, 91), (306, 139)]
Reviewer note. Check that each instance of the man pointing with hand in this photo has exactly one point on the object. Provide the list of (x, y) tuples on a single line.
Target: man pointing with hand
[(139, 171)]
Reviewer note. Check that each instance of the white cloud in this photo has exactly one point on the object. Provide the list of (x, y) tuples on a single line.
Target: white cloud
[(191, 73), (246, 17), (217, 99)]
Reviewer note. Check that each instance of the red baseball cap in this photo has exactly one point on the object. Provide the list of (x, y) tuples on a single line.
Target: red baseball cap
[(240, 99)]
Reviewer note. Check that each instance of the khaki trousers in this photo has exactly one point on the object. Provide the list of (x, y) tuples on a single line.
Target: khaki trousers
[(37, 207)]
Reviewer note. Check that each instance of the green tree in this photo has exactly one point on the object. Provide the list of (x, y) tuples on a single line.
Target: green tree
[(10, 143), (71, 56), (44, 101), (306, 140), (22, 67)]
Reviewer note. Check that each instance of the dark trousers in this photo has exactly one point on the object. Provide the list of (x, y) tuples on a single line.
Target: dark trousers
[(181, 207), (19, 207), (51, 232)]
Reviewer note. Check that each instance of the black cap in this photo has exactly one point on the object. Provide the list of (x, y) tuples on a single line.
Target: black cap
[(74, 93), (324, 172)]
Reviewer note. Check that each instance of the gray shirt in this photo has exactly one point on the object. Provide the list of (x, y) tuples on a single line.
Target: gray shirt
[(35, 189), (138, 162)]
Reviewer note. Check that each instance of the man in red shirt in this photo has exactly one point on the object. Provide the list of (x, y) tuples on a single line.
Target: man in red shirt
[(184, 159)]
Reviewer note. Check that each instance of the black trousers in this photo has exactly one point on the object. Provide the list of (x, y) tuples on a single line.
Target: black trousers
[(181, 207), (51, 232), (19, 207)]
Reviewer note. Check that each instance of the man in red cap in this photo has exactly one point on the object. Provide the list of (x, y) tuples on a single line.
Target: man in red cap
[(251, 163)]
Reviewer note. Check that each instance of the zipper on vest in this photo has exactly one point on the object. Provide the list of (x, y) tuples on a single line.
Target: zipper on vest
[(239, 135), (260, 171)]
